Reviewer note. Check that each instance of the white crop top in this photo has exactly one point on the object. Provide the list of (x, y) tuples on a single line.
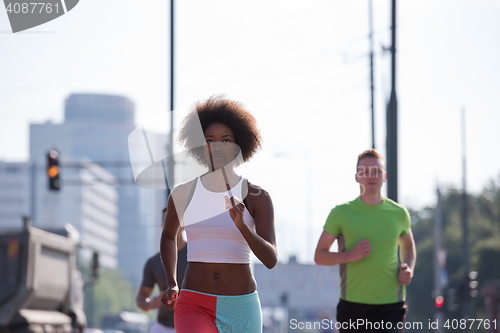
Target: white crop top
[(211, 233)]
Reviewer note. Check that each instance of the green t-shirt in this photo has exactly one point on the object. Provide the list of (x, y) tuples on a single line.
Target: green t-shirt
[(373, 279)]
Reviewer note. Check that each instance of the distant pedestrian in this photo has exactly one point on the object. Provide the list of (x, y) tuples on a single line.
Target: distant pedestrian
[(155, 274), (373, 271)]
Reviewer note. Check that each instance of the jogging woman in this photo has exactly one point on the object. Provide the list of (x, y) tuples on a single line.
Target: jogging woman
[(225, 217)]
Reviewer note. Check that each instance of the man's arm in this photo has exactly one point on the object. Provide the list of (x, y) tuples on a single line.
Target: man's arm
[(324, 257), (144, 302), (408, 257)]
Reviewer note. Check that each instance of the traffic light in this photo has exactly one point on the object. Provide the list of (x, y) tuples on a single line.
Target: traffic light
[(451, 300), (473, 292), (53, 170), (468, 287), (439, 302), (95, 266)]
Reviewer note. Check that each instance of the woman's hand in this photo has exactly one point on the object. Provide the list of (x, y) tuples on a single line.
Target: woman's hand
[(169, 297), (236, 208)]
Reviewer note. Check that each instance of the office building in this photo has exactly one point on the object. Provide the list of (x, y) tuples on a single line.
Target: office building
[(96, 128), (88, 201), (304, 292), (14, 194)]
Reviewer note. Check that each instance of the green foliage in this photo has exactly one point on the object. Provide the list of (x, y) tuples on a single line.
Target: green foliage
[(110, 294), (484, 250)]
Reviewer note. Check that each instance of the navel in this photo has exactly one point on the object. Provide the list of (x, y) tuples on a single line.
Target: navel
[(216, 275)]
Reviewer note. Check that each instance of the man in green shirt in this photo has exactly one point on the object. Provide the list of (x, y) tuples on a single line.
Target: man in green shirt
[(376, 253)]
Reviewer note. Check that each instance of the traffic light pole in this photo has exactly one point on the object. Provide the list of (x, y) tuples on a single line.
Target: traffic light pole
[(438, 265)]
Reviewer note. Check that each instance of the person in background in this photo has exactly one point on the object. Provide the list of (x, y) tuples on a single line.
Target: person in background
[(154, 274), (373, 269)]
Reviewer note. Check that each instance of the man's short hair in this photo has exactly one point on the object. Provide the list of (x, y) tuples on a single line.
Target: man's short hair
[(370, 153)]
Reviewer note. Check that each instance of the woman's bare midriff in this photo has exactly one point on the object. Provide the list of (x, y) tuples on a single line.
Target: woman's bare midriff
[(219, 279)]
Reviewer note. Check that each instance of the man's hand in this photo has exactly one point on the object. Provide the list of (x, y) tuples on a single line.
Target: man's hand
[(169, 297), (405, 274), (155, 303), (143, 300), (361, 250)]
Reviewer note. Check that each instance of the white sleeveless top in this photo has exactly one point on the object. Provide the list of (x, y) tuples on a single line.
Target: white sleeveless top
[(211, 233)]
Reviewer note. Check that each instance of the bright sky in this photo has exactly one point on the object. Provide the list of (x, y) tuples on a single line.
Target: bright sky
[(301, 68)]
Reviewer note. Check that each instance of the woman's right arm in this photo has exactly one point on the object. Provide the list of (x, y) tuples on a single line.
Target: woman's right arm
[(168, 253)]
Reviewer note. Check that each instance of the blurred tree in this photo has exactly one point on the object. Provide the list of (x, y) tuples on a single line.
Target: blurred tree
[(484, 229), (112, 294)]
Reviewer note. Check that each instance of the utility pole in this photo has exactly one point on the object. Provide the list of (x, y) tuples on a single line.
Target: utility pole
[(370, 14), (465, 228), (392, 122), (170, 153)]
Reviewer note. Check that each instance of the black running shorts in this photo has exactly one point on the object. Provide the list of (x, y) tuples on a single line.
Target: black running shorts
[(380, 318)]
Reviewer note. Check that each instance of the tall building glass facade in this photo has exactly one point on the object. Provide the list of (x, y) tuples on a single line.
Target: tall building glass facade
[(96, 129)]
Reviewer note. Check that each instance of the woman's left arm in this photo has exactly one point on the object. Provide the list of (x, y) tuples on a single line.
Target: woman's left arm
[(262, 241)]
